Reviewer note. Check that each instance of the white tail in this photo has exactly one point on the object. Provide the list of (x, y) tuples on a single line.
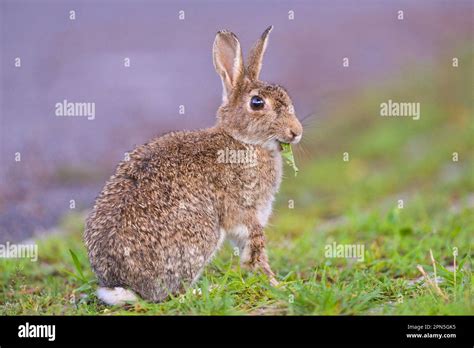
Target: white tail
[(116, 296)]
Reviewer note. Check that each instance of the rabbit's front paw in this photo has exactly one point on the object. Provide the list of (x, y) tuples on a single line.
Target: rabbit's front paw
[(274, 282), (264, 266)]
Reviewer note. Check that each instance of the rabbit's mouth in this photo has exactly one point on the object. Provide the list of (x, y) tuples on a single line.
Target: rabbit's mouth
[(280, 146)]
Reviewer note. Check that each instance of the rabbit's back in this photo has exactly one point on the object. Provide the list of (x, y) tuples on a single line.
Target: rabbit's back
[(156, 218)]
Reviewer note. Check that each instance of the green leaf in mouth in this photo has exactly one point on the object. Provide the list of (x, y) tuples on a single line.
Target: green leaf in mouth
[(287, 154)]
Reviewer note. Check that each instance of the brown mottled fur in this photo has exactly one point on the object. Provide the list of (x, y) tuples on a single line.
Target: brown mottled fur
[(164, 213)]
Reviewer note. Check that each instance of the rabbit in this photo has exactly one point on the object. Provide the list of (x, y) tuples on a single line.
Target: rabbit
[(166, 211)]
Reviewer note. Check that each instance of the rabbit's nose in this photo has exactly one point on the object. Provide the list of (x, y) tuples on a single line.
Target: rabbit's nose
[(295, 136)]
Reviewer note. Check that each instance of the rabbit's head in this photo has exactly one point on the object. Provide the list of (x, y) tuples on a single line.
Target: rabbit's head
[(252, 111)]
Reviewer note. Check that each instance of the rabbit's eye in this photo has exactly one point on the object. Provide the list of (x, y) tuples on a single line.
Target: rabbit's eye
[(257, 103)]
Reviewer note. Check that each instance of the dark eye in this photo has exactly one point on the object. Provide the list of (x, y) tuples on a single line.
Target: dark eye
[(257, 103)]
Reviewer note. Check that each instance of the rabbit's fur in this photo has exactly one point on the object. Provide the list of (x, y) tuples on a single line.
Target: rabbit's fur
[(163, 215)]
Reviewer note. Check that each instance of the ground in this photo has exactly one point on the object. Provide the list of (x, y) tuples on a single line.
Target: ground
[(401, 194)]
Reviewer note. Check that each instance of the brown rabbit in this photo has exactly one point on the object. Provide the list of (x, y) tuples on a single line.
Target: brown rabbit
[(164, 214)]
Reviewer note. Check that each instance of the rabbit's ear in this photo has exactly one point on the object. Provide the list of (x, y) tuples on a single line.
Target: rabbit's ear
[(228, 61), (256, 55)]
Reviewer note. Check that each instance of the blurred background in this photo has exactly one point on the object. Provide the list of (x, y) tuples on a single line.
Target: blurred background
[(82, 60)]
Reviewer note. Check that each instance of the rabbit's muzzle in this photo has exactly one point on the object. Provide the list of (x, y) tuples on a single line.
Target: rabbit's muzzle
[(293, 131)]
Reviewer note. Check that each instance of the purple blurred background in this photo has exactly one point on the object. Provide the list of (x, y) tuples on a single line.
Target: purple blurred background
[(82, 60)]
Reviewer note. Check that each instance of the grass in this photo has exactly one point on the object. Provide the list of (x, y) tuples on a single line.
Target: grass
[(331, 200)]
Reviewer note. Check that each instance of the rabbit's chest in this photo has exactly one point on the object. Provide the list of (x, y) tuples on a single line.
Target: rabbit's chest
[(258, 186), (269, 189)]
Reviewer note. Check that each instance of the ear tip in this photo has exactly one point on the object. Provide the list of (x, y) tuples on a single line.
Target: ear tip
[(226, 33), (267, 32)]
